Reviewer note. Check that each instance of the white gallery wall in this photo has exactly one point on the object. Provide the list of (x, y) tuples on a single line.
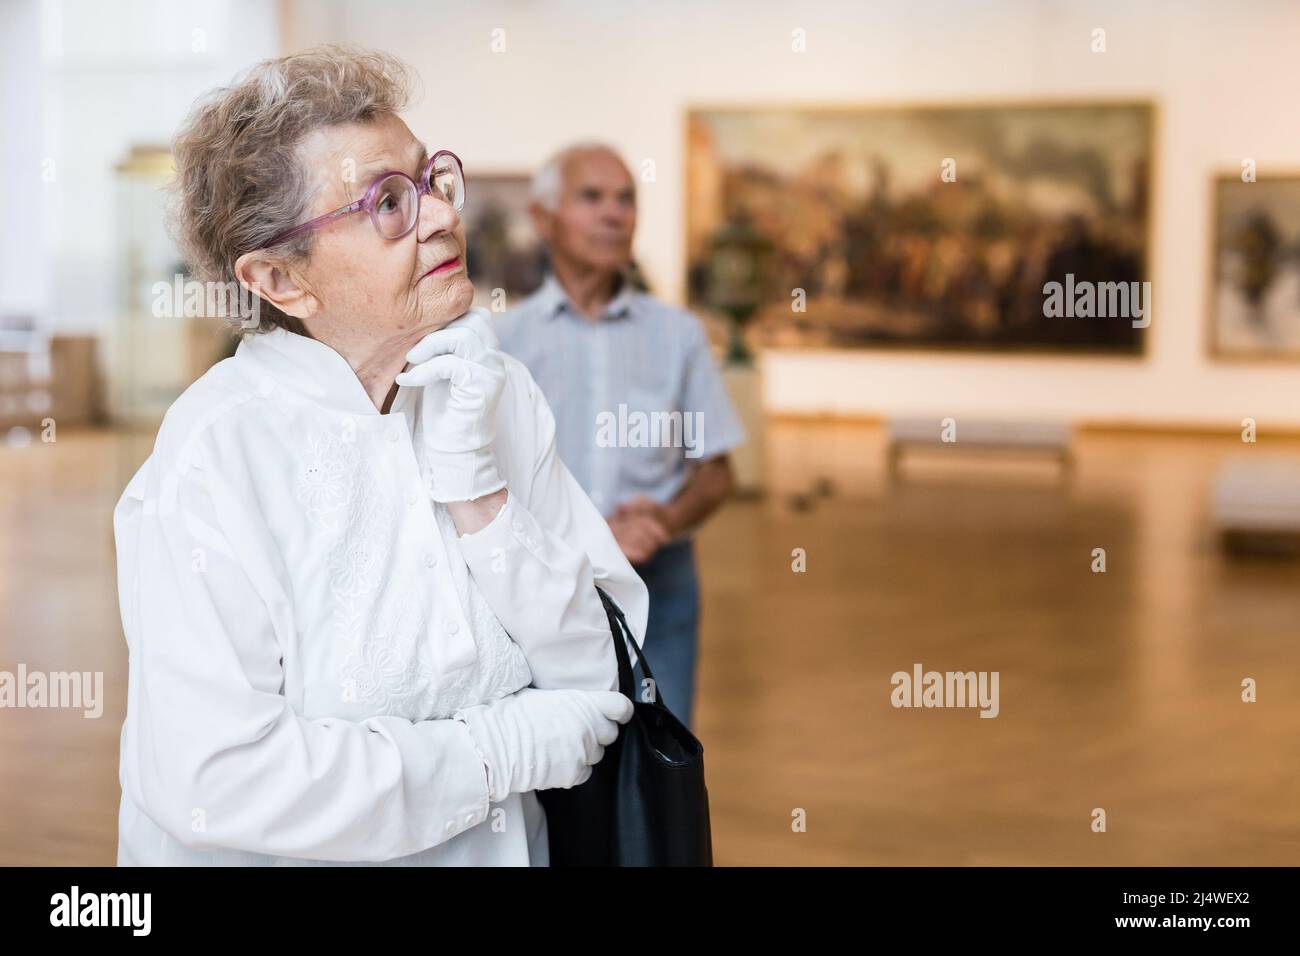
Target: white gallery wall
[(106, 76), (1225, 77), (24, 282)]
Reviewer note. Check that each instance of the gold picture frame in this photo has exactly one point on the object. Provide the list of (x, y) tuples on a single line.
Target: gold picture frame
[(1252, 288), (1145, 123)]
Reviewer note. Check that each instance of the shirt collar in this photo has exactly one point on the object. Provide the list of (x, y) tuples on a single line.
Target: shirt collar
[(555, 300), (308, 367), (322, 375)]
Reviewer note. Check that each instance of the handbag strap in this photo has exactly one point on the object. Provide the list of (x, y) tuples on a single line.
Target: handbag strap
[(622, 636)]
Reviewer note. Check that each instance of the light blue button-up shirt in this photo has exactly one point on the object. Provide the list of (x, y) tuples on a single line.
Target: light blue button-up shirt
[(637, 396)]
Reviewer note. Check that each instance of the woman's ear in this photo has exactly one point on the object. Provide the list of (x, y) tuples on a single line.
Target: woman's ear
[(270, 278)]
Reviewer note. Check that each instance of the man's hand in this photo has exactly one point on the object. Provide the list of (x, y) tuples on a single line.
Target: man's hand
[(639, 533), (644, 505)]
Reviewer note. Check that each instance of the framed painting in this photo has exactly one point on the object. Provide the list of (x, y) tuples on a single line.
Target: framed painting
[(924, 226), (1255, 268), (503, 251)]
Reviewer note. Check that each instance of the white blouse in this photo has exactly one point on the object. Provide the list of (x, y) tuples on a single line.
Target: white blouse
[(303, 620)]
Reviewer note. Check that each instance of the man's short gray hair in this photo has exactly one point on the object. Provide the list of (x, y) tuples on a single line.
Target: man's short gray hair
[(548, 181)]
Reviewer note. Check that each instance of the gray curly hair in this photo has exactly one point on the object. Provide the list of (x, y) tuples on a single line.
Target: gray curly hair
[(239, 178)]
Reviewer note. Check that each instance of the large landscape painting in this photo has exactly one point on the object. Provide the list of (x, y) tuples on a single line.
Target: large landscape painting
[(922, 227)]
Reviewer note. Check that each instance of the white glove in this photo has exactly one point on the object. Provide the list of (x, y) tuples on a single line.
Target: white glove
[(543, 739), (462, 376), (479, 320)]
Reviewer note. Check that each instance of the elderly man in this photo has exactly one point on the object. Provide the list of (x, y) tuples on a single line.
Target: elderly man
[(642, 418)]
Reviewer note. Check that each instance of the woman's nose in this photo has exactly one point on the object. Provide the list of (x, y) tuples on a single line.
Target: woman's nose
[(436, 215)]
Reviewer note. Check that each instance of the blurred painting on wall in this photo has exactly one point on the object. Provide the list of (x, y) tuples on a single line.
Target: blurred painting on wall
[(502, 248), (924, 226), (1255, 302)]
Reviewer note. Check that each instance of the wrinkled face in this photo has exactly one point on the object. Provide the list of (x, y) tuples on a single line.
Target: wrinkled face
[(364, 283), (595, 217)]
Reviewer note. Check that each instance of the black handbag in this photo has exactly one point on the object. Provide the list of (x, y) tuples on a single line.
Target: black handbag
[(645, 803)]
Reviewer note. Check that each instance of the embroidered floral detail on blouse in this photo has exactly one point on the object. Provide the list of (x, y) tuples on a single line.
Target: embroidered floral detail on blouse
[(324, 484), (382, 619), (501, 668), (392, 675), (367, 534), (386, 667)]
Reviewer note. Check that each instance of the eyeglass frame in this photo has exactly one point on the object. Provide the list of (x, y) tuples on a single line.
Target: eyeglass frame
[(367, 201)]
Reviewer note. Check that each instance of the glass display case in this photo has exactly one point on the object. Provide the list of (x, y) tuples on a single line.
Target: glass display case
[(153, 351)]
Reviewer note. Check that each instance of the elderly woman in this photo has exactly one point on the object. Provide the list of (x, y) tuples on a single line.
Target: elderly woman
[(357, 583)]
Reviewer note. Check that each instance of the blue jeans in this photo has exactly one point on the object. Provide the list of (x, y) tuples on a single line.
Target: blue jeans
[(672, 632)]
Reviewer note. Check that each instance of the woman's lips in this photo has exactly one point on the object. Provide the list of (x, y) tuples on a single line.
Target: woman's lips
[(449, 266)]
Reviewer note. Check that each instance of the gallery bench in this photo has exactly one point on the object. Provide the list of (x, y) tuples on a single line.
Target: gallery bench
[(1256, 504), (988, 435)]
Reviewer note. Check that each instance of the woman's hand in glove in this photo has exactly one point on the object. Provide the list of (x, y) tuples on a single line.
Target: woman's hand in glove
[(543, 739), (462, 376)]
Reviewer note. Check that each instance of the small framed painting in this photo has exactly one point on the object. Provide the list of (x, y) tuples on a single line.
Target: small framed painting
[(505, 255), (1255, 273)]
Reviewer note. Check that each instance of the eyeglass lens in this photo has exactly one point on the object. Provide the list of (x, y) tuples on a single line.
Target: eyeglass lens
[(448, 182), (397, 202), (395, 207)]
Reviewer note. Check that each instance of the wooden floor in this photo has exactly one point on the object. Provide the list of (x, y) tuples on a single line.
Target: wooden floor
[(1118, 690)]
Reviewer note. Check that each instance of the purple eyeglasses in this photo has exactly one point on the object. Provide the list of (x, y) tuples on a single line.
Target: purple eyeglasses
[(393, 199)]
